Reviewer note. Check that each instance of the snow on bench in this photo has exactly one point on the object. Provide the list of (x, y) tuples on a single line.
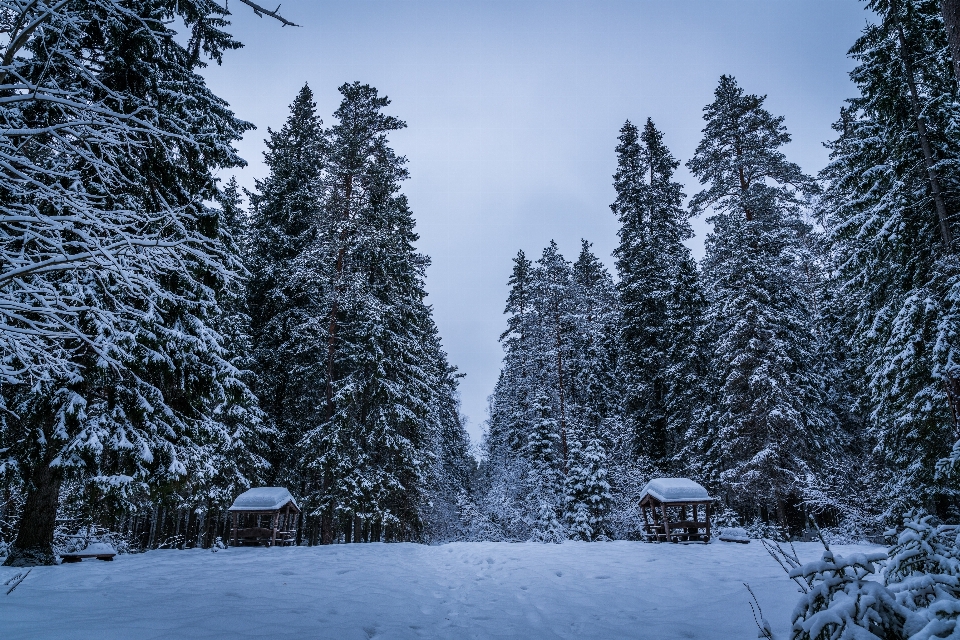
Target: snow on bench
[(98, 550)]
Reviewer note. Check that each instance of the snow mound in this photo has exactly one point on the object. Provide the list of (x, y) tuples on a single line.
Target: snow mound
[(262, 499), (675, 490)]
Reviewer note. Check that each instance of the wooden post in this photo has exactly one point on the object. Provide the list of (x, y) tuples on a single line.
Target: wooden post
[(236, 542), (706, 511), (666, 522), (646, 521), (274, 519)]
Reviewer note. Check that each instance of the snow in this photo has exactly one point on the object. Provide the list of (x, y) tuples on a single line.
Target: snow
[(262, 499), (574, 590), (101, 548), (675, 490), (734, 534)]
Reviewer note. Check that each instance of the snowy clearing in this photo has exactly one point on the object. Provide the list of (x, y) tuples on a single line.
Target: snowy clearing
[(458, 590)]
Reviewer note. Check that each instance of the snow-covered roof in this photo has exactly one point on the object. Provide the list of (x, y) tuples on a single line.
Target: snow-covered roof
[(675, 490), (263, 499)]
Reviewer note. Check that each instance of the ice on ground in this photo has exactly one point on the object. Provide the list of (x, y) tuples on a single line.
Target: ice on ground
[(674, 490), (527, 591), (262, 499)]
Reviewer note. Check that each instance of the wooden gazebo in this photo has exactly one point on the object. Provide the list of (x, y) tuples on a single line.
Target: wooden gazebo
[(672, 509), (270, 506)]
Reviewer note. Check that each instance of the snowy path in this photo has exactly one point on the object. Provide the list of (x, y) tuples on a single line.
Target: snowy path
[(458, 591)]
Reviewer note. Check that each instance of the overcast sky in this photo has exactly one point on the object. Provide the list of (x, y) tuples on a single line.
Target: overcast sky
[(514, 108)]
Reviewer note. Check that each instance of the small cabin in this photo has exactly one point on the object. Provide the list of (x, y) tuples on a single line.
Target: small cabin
[(264, 516), (675, 510)]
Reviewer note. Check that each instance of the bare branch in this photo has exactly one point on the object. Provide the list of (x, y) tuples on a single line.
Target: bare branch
[(260, 11)]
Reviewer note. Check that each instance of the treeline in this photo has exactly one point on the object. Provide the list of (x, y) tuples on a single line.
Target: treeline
[(805, 367), (163, 347)]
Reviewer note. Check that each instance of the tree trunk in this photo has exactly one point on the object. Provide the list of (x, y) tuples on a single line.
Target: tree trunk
[(951, 20), (34, 543), (928, 159)]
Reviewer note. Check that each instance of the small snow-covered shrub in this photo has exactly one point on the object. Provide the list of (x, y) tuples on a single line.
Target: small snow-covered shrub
[(759, 529), (924, 576), (918, 598), (841, 602)]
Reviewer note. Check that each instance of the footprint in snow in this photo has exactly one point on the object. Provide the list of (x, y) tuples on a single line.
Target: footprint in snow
[(559, 574), (371, 631)]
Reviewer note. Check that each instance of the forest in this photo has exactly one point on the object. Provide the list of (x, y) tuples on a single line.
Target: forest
[(169, 340)]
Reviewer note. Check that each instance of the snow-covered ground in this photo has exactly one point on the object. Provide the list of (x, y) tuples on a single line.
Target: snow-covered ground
[(461, 590)]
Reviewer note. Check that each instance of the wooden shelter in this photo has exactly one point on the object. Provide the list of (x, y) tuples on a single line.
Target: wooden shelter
[(672, 509), (264, 515)]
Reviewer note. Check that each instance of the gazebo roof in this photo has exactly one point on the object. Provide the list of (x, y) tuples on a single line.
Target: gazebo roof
[(263, 499), (669, 490)]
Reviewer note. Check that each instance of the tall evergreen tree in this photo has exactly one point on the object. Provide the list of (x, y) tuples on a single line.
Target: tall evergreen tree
[(286, 289), (385, 378), (764, 424), (659, 293), (889, 209), (554, 409), (137, 416)]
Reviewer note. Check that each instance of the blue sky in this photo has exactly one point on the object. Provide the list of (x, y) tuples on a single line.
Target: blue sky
[(514, 108)]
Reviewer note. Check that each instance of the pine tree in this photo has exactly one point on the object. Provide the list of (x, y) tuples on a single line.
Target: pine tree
[(587, 496), (554, 411), (137, 416), (765, 424), (891, 190), (387, 391), (544, 452), (659, 293), (286, 289)]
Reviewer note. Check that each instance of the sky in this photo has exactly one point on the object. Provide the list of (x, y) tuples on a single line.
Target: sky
[(513, 110)]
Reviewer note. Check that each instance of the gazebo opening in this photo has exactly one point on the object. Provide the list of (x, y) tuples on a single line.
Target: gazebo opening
[(264, 516), (675, 510)]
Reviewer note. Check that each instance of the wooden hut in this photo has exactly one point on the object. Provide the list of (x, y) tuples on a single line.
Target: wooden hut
[(264, 515), (675, 510)]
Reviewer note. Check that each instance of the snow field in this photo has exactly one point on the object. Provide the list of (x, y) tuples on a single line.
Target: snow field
[(364, 591)]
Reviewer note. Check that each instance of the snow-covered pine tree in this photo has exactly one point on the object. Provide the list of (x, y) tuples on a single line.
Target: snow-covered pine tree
[(544, 453), (238, 461), (55, 220), (372, 447), (594, 398), (889, 206), (554, 411), (286, 289), (659, 291), (500, 491), (587, 496), (137, 412), (763, 422)]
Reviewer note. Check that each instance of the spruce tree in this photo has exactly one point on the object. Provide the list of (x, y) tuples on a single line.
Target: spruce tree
[(764, 424), (889, 210), (659, 294), (387, 391), (286, 288), (138, 415)]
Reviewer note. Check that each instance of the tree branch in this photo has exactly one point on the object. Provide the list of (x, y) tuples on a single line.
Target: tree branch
[(260, 11)]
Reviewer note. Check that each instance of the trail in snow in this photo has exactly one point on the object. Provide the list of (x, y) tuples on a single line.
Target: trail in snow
[(460, 590)]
